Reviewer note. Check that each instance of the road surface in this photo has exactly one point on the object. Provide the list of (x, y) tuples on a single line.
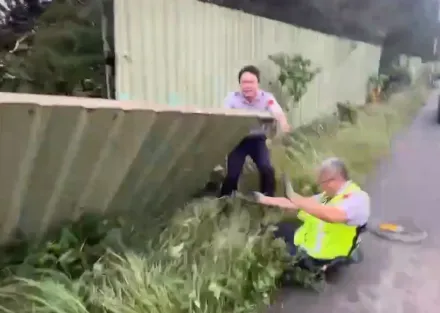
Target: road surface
[(393, 278)]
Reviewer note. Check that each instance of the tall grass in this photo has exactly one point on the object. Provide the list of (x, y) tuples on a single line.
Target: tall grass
[(212, 258), (360, 145), (216, 256)]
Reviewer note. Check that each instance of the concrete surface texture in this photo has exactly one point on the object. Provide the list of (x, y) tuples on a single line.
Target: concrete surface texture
[(393, 277)]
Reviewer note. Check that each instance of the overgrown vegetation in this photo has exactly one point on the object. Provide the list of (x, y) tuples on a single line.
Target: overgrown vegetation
[(71, 250), (211, 258), (295, 74), (398, 78), (376, 84), (360, 144), (61, 52), (216, 255)]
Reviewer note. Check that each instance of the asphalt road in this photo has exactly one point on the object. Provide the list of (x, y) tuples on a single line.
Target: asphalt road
[(393, 277)]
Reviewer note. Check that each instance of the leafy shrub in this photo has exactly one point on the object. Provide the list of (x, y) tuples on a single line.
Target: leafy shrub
[(377, 81), (294, 77), (72, 249), (360, 144), (399, 77), (216, 256), (375, 87), (347, 112)]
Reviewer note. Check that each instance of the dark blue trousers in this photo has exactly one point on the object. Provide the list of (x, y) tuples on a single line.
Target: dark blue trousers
[(286, 231), (255, 147)]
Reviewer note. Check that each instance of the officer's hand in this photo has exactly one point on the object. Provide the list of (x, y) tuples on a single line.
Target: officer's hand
[(285, 128)]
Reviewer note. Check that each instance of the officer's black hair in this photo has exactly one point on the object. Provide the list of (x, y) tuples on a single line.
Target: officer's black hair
[(250, 69)]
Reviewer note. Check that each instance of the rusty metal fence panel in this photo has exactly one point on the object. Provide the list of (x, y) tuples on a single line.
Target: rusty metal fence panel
[(62, 156)]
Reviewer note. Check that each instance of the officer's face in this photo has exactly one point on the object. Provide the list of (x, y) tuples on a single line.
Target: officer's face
[(249, 85), (329, 182)]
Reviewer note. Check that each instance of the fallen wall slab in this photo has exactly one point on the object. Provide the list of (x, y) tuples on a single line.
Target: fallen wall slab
[(62, 156)]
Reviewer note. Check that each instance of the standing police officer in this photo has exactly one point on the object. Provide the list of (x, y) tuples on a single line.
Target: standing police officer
[(251, 97)]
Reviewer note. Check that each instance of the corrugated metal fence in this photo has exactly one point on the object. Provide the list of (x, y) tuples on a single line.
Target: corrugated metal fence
[(61, 156), (187, 53)]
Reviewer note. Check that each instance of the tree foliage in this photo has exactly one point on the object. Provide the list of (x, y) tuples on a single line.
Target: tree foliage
[(56, 51), (295, 74), (18, 17)]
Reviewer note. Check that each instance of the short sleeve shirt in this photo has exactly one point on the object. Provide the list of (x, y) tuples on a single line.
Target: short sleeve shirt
[(356, 206), (264, 102)]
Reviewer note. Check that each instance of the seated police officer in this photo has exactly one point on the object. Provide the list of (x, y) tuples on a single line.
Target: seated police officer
[(332, 220)]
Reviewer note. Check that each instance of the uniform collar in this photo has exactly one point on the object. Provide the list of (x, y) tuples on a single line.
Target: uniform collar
[(260, 94), (340, 191), (344, 187)]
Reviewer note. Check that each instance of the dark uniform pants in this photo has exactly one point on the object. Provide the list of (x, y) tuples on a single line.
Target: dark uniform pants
[(255, 147)]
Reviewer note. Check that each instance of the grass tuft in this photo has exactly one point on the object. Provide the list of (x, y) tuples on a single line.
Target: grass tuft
[(215, 256), (360, 145)]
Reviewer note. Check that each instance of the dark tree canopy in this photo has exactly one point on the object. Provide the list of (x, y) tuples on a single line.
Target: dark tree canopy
[(51, 47), (18, 17)]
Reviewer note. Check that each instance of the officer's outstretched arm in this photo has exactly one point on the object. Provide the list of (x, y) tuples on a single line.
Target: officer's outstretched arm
[(281, 202), (324, 212)]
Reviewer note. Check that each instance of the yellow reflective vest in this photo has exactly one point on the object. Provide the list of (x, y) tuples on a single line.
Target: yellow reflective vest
[(324, 240)]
